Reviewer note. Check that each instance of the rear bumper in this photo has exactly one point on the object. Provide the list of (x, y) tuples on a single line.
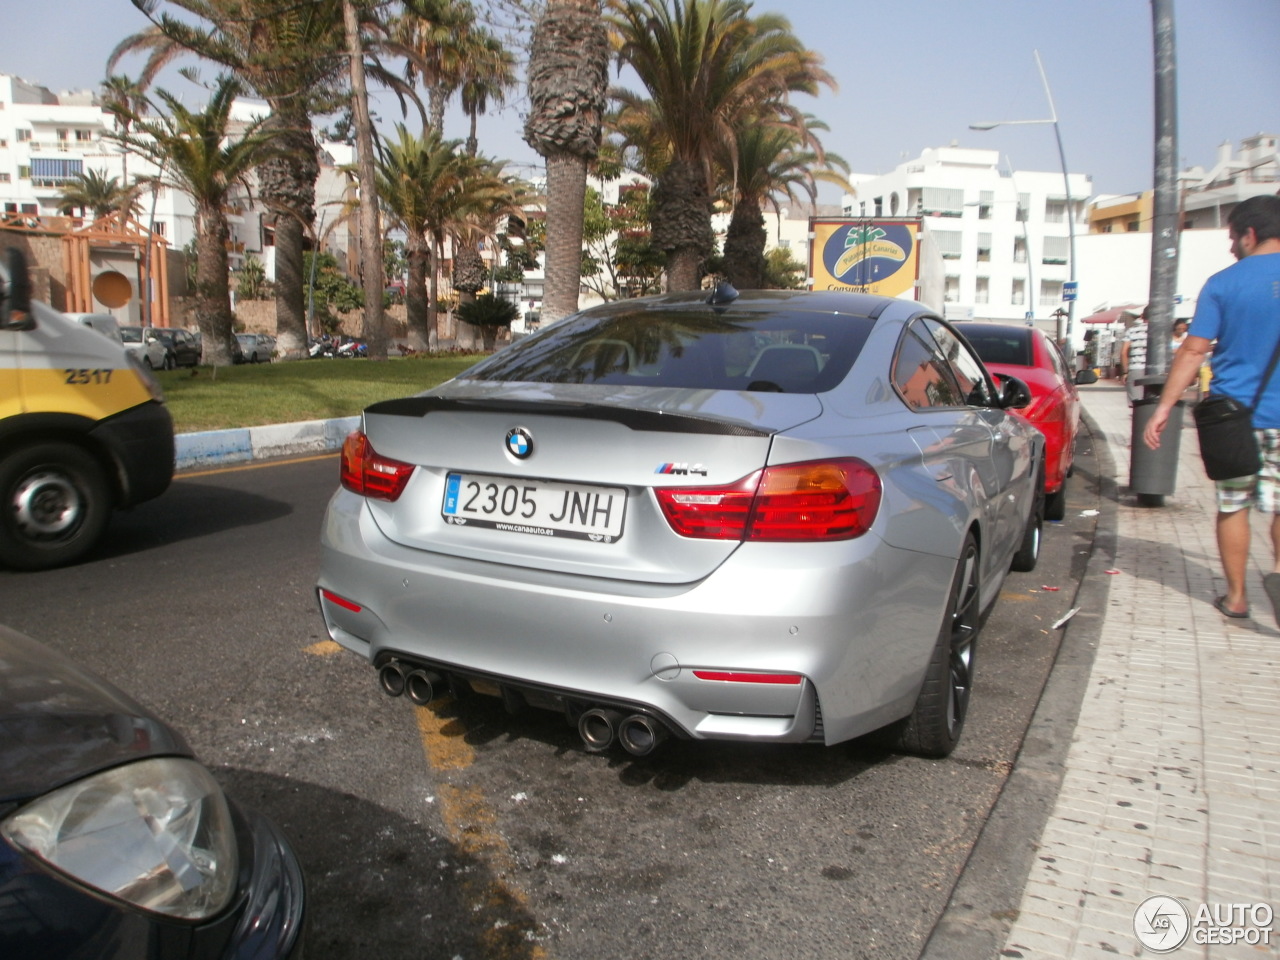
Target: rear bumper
[(856, 620)]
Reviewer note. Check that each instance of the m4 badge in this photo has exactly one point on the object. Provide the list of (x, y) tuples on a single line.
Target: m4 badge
[(682, 469)]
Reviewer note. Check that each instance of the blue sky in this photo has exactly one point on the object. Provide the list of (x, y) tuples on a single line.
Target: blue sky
[(911, 73)]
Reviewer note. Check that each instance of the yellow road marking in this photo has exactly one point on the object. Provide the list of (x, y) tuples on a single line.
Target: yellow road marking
[(236, 468), (472, 826), (324, 648)]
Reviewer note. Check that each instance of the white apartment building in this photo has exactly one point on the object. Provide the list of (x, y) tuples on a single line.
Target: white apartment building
[(1004, 235), (47, 140)]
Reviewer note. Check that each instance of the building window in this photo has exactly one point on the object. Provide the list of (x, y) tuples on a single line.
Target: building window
[(1019, 250), (1055, 211), (984, 248), (5, 177), (62, 133), (1024, 204), (951, 290), (3, 143), (1019, 295), (1055, 250), (23, 136), (985, 202), (982, 291), (24, 172), (46, 172), (784, 244), (941, 202), (1131, 226), (158, 227), (879, 202), (948, 242), (1050, 293), (84, 136)]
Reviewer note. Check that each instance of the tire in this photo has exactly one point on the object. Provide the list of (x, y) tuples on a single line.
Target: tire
[(1028, 554), (54, 505), (1055, 505), (933, 729)]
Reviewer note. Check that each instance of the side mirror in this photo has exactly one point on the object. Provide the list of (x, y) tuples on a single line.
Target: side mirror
[(1014, 393), (15, 293), (1084, 377)]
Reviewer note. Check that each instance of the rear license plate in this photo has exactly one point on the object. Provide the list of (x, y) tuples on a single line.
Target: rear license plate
[(539, 507)]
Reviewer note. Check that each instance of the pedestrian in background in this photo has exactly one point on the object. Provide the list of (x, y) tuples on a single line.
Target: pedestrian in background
[(1179, 334), (1239, 308), (1133, 356)]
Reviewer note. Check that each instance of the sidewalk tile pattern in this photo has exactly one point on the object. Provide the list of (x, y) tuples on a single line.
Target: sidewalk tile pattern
[(1172, 784)]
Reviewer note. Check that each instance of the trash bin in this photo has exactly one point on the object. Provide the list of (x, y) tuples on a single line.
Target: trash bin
[(1153, 473)]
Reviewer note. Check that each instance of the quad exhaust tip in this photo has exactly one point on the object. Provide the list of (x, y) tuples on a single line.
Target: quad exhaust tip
[(640, 734), (422, 686), (598, 728), (391, 677)]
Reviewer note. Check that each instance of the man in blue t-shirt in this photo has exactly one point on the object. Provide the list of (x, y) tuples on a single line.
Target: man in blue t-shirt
[(1239, 308)]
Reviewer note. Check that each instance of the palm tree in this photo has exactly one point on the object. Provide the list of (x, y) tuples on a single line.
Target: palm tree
[(97, 193), (123, 97), (487, 75), (295, 56), (439, 37), (435, 192), (198, 156), (768, 162), (568, 81), (707, 66)]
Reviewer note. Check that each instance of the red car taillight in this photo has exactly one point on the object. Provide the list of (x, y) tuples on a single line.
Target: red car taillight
[(818, 500), (370, 475)]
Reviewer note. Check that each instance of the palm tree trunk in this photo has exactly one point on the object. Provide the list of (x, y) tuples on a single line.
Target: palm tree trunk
[(213, 292), (374, 329), (288, 184), (567, 183), (433, 295), (415, 296)]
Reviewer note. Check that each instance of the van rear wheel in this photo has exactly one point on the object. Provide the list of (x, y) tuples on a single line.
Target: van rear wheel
[(54, 505)]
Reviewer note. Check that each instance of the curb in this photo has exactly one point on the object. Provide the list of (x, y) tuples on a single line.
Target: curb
[(988, 894), (220, 447)]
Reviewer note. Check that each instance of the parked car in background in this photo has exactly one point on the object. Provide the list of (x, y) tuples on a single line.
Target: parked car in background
[(182, 347), (104, 323), (1029, 354), (236, 355), (775, 516), (255, 348), (144, 345), (115, 843)]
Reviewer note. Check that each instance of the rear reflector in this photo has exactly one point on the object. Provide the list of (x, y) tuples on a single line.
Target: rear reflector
[(789, 678), (796, 502), (369, 474), (340, 601)]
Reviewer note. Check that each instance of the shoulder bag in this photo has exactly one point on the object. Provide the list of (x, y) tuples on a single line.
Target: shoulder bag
[(1228, 445)]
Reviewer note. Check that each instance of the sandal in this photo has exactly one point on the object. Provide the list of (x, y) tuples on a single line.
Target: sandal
[(1221, 604)]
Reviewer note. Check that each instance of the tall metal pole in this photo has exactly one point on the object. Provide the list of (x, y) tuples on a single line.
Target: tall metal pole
[(1071, 213), (1165, 227)]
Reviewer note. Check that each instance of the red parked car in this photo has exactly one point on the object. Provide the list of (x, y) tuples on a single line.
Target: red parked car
[(1026, 353)]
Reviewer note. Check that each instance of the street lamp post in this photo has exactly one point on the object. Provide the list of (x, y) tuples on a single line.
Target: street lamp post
[(1066, 183)]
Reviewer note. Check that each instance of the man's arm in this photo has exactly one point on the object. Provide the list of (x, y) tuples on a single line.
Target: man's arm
[(1124, 357), (1182, 373)]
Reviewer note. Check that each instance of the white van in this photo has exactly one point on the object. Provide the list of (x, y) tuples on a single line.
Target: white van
[(104, 323), (83, 429)]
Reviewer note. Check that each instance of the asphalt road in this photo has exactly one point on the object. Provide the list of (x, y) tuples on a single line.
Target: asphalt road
[(461, 831)]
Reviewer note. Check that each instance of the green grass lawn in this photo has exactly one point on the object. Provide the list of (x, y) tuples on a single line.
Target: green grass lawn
[(209, 398)]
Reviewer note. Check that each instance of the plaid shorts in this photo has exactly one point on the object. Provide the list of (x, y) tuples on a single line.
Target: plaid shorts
[(1261, 490)]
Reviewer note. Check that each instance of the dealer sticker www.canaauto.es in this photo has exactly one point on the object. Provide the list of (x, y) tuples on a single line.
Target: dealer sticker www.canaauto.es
[(1163, 924)]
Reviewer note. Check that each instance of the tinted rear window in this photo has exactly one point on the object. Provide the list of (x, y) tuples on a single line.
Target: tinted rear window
[(1001, 346), (781, 351)]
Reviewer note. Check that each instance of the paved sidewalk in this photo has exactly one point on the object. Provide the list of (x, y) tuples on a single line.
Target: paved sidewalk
[(1172, 781)]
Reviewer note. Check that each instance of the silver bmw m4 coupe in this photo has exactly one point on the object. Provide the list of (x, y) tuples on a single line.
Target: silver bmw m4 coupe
[(770, 516)]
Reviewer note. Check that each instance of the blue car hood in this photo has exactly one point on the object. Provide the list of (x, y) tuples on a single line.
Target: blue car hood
[(60, 722)]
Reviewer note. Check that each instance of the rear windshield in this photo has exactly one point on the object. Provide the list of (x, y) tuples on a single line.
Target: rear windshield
[(779, 351), (131, 334), (1001, 346)]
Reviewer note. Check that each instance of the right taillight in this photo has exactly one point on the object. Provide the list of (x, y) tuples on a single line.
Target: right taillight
[(366, 472), (795, 502)]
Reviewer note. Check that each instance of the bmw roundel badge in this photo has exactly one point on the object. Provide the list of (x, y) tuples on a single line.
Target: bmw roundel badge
[(519, 443)]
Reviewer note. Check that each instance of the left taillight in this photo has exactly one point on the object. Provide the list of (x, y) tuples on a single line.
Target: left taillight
[(368, 473), (795, 502)]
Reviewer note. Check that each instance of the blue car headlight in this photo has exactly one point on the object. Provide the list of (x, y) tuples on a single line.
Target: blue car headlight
[(156, 834)]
